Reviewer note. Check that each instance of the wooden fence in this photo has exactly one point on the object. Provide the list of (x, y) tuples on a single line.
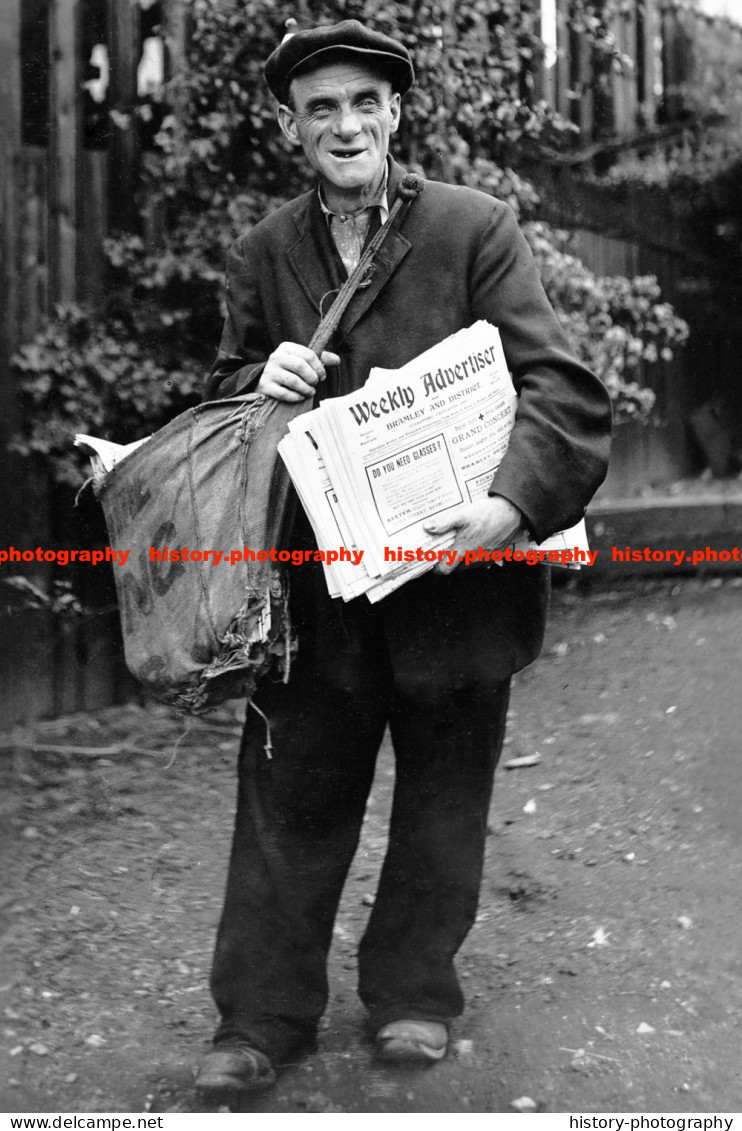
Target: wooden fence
[(69, 170), (674, 63), (667, 61)]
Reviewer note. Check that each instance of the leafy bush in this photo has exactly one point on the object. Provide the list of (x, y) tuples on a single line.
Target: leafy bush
[(82, 374), (619, 324)]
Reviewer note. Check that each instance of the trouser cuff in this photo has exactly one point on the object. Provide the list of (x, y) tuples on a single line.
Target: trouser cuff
[(280, 1041)]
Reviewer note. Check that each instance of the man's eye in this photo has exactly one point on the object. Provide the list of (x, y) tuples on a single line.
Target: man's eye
[(368, 104)]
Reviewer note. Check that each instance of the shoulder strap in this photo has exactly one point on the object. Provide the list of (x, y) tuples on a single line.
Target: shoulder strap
[(410, 188)]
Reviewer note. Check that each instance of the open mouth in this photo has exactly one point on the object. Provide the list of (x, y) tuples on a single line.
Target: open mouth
[(346, 154)]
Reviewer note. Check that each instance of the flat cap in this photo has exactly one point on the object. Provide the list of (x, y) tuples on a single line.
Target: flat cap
[(305, 50)]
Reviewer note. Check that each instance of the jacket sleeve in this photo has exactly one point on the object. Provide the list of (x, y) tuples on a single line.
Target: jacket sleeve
[(244, 347), (558, 452)]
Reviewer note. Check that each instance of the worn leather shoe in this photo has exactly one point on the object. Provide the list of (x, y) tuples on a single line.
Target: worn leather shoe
[(414, 1042), (231, 1069)]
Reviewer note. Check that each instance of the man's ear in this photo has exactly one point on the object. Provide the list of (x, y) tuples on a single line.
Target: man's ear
[(288, 124), (395, 105)]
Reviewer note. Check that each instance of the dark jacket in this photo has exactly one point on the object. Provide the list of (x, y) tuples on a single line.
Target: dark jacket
[(458, 257)]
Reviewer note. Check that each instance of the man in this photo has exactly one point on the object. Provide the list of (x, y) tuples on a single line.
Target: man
[(433, 660)]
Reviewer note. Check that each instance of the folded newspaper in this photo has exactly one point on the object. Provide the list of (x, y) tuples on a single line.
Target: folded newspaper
[(104, 454), (411, 446)]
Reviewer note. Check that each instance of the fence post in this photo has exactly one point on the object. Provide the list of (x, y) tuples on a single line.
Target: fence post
[(10, 142), (64, 148), (123, 167), (562, 100), (176, 18), (624, 78), (677, 58), (649, 75)]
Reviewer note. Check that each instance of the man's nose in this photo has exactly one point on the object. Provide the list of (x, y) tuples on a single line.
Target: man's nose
[(347, 123)]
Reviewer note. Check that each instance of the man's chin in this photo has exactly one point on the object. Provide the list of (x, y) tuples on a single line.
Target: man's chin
[(351, 174)]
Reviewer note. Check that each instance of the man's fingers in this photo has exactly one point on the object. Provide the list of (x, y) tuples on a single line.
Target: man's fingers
[(303, 383), (296, 358), (293, 371), (300, 359), (283, 385), (287, 396), (273, 379), (439, 527), (306, 371), (283, 392), (447, 567)]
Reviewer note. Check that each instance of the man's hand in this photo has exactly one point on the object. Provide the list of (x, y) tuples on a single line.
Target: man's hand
[(292, 372), (490, 523)]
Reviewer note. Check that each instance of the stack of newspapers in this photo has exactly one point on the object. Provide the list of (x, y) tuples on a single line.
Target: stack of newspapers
[(409, 448)]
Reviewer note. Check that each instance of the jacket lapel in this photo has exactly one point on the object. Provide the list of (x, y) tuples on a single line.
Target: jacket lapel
[(393, 251), (311, 258)]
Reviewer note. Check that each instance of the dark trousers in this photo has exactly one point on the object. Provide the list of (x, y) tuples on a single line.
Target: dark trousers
[(418, 663)]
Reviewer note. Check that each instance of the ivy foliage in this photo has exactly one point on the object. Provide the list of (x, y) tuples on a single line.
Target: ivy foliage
[(622, 326), (220, 164), (84, 373)]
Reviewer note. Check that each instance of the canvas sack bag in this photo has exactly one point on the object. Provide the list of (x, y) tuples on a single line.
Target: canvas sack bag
[(208, 480)]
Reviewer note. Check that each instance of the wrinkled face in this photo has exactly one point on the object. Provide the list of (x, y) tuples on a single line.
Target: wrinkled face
[(342, 115)]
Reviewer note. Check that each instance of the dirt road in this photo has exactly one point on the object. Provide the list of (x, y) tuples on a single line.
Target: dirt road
[(604, 972)]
